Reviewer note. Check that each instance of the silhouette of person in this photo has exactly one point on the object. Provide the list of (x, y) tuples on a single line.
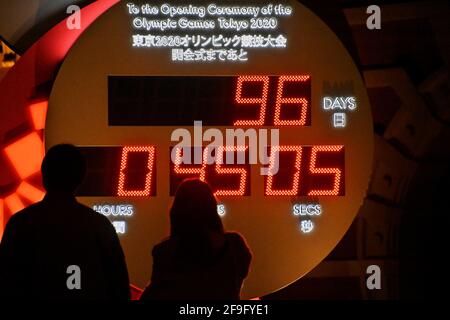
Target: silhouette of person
[(58, 248), (199, 261)]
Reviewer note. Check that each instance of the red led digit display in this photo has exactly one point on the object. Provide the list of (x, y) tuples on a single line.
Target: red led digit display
[(245, 100), (261, 100), (293, 169), (198, 171), (225, 179), (307, 171), (128, 171), (301, 102), (335, 171), (135, 180), (225, 170)]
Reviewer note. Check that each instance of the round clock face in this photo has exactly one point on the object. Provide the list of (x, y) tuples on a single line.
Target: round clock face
[(123, 105)]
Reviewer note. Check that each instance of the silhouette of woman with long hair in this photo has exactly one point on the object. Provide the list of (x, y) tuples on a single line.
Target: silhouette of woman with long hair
[(199, 260)]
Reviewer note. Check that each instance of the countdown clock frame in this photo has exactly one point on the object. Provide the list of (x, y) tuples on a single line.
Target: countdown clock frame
[(358, 151)]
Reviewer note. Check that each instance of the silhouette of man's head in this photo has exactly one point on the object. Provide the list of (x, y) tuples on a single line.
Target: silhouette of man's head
[(63, 168)]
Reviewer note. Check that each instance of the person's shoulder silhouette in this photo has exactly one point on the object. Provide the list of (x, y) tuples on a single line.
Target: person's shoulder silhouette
[(199, 260), (59, 248)]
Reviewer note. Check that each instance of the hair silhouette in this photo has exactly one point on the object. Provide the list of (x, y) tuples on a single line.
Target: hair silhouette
[(199, 261), (193, 219), (63, 168)]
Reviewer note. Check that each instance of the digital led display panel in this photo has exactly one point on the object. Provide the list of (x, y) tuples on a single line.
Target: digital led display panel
[(119, 171), (275, 101), (224, 179), (307, 171), (221, 101), (131, 172)]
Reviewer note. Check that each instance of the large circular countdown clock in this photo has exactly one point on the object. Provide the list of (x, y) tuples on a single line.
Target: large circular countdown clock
[(121, 103)]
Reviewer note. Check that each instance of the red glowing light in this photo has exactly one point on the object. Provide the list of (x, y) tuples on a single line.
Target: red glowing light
[(242, 172), (262, 101), (30, 192), (2, 218), (224, 179), (281, 100), (191, 171), (26, 154), (148, 178), (14, 203), (38, 113), (269, 191), (330, 171)]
